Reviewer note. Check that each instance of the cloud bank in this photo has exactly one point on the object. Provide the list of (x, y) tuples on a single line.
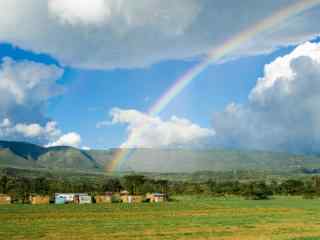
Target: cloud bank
[(27, 83), (282, 112), (106, 34), (50, 133), (152, 132), (79, 12), (25, 89)]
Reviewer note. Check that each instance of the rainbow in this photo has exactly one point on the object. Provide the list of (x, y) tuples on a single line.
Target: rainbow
[(217, 53)]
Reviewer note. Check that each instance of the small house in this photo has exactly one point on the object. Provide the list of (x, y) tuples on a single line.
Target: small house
[(106, 198), (124, 193), (82, 198), (156, 197), (64, 198), (5, 199), (59, 199), (132, 198), (37, 200)]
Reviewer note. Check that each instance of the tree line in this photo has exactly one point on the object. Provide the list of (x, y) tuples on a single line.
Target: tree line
[(20, 188)]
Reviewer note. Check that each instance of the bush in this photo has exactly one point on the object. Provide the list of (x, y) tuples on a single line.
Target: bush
[(257, 191)]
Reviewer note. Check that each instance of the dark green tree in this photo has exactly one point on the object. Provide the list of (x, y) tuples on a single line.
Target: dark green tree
[(41, 186), (257, 191), (133, 183), (112, 185), (292, 187), (5, 184), (23, 189)]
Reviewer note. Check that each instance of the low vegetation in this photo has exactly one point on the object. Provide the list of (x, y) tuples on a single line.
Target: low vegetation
[(20, 188), (187, 217), (241, 205)]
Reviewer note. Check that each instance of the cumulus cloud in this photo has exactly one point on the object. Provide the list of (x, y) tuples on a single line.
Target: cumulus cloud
[(107, 34), (152, 132), (70, 139), (25, 88), (33, 130), (282, 112), (5, 123), (85, 148), (79, 12), (27, 82), (48, 133)]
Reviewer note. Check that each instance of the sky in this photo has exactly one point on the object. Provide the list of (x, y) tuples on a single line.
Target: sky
[(89, 73)]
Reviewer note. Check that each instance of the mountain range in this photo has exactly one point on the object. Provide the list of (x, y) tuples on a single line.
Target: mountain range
[(27, 155)]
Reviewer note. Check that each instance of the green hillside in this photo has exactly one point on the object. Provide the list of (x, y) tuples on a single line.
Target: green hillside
[(20, 154), (8, 158), (25, 155)]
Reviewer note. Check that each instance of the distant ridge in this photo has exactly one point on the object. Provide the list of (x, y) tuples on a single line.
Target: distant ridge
[(20, 154), (27, 155)]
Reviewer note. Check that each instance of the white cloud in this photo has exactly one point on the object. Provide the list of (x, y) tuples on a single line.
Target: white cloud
[(153, 132), (25, 88), (283, 109), (108, 34), (49, 131), (27, 84), (70, 139), (33, 130), (79, 12), (85, 148), (5, 123)]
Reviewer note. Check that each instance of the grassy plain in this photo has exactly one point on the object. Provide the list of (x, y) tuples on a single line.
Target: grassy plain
[(191, 218)]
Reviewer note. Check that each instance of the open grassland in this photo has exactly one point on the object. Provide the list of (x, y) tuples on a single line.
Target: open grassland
[(190, 218)]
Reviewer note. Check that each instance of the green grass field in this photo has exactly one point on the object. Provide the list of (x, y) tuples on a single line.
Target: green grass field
[(190, 218)]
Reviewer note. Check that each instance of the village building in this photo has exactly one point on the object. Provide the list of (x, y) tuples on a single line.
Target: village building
[(82, 198), (132, 198), (5, 199), (125, 192), (77, 198), (64, 198), (38, 199), (156, 197), (106, 198)]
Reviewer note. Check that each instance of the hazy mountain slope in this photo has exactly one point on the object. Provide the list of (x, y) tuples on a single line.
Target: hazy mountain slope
[(33, 156), (102, 157), (183, 160), (66, 157), (24, 150), (8, 158), (151, 160)]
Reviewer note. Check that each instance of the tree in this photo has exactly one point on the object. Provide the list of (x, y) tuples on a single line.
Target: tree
[(293, 187), (5, 184), (41, 186), (212, 185), (310, 190), (112, 185), (23, 189), (133, 183), (164, 185), (257, 191)]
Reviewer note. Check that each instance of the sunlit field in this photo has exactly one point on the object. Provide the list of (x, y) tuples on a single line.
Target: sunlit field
[(186, 218)]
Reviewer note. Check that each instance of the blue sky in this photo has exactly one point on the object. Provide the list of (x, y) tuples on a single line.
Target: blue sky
[(91, 94), (111, 71)]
